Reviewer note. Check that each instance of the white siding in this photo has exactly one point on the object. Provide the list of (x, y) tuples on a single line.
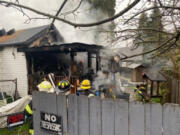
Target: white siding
[(13, 65)]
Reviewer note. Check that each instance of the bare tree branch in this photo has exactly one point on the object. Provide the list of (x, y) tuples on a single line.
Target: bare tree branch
[(160, 3), (61, 7), (74, 10), (72, 23), (151, 8), (136, 30), (161, 46), (167, 48), (35, 18)]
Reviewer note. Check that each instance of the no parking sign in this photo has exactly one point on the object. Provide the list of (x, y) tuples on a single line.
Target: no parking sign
[(51, 122)]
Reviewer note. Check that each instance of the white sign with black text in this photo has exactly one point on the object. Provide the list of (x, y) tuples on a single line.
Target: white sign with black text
[(51, 122)]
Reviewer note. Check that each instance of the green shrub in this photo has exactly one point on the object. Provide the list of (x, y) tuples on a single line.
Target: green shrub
[(20, 130)]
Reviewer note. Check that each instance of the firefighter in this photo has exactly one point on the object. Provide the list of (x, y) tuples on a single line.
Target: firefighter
[(136, 88), (85, 88), (142, 93), (138, 92), (29, 115), (146, 97), (63, 87), (43, 86)]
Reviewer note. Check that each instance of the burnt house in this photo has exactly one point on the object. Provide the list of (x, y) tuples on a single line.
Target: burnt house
[(27, 54)]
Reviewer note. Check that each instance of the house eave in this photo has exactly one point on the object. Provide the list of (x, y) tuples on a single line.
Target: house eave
[(70, 47)]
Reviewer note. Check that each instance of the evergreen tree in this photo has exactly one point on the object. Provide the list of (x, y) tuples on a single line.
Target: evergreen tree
[(142, 25), (156, 23), (150, 38)]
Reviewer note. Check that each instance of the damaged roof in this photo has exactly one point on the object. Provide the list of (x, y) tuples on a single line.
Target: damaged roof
[(23, 37), (40, 39), (64, 47)]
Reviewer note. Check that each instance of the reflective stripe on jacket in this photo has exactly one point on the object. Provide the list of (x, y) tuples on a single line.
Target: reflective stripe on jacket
[(29, 109)]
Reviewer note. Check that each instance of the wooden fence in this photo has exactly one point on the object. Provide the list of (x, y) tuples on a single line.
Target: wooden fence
[(93, 116), (175, 91)]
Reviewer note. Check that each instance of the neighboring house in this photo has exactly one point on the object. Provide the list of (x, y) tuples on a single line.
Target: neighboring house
[(126, 51), (136, 72), (13, 64), (154, 78), (131, 68), (133, 72)]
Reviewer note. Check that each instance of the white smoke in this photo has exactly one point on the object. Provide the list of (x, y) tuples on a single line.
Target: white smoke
[(101, 79), (13, 18)]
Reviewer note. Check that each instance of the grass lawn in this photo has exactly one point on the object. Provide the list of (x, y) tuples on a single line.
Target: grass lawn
[(155, 100), (20, 130)]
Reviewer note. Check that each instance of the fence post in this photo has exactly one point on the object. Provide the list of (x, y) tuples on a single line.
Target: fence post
[(178, 93), (174, 84)]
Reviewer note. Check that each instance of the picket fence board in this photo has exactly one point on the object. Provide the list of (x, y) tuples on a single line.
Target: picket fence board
[(95, 115), (108, 110), (121, 117), (48, 103), (62, 111), (36, 114), (147, 127), (83, 118), (177, 118), (136, 118), (73, 115), (171, 120), (154, 122)]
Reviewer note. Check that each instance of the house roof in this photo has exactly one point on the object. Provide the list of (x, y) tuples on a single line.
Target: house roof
[(126, 51), (134, 65), (154, 74), (23, 37)]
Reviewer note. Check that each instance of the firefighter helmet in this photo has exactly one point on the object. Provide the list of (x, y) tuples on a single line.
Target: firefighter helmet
[(86, 84), (64, 85)]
